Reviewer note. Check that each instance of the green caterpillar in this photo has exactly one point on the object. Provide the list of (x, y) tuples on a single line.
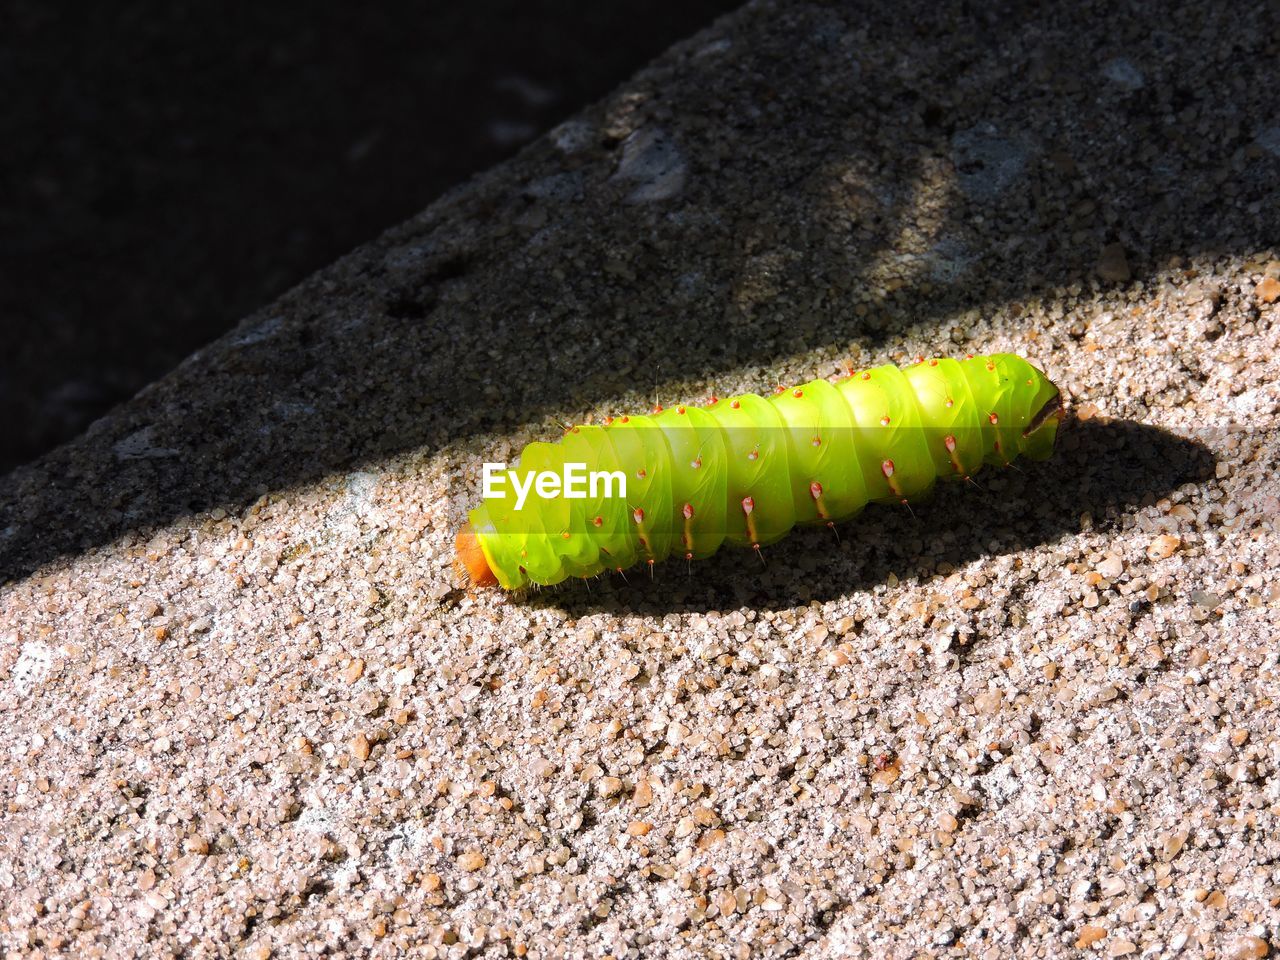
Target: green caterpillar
[(746, 469)]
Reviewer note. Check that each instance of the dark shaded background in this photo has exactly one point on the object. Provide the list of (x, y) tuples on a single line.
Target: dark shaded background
[(169, 167)]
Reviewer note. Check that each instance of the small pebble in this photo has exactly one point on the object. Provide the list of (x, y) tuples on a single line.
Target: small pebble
[(1089, 935), (1163, 546), (354, 671), (1203, 599), (360, 747), (1248, 948), (1111, 567)]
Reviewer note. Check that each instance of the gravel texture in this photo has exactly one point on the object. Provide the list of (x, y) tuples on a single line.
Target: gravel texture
[(249, 711)]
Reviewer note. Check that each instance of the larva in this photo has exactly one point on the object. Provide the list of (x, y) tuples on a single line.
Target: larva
[(746, 469)]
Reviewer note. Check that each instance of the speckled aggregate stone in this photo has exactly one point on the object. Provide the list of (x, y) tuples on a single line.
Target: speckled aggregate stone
[(249, 711)]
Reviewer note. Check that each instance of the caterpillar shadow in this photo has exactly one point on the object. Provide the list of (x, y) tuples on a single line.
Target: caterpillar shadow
[(1104, 469)]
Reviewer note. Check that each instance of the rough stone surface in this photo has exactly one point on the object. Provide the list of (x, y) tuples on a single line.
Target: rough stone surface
[(249, 711)]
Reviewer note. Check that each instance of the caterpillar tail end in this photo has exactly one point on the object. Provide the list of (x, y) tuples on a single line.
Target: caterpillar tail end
[(469, 559)]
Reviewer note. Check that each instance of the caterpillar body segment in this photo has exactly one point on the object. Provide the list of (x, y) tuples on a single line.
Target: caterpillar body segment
[(744, 470)]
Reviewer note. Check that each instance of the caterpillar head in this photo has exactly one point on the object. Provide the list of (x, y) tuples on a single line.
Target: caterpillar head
[(469, 559)]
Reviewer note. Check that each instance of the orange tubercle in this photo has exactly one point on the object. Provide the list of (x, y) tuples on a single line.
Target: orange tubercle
[(469, 558)]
